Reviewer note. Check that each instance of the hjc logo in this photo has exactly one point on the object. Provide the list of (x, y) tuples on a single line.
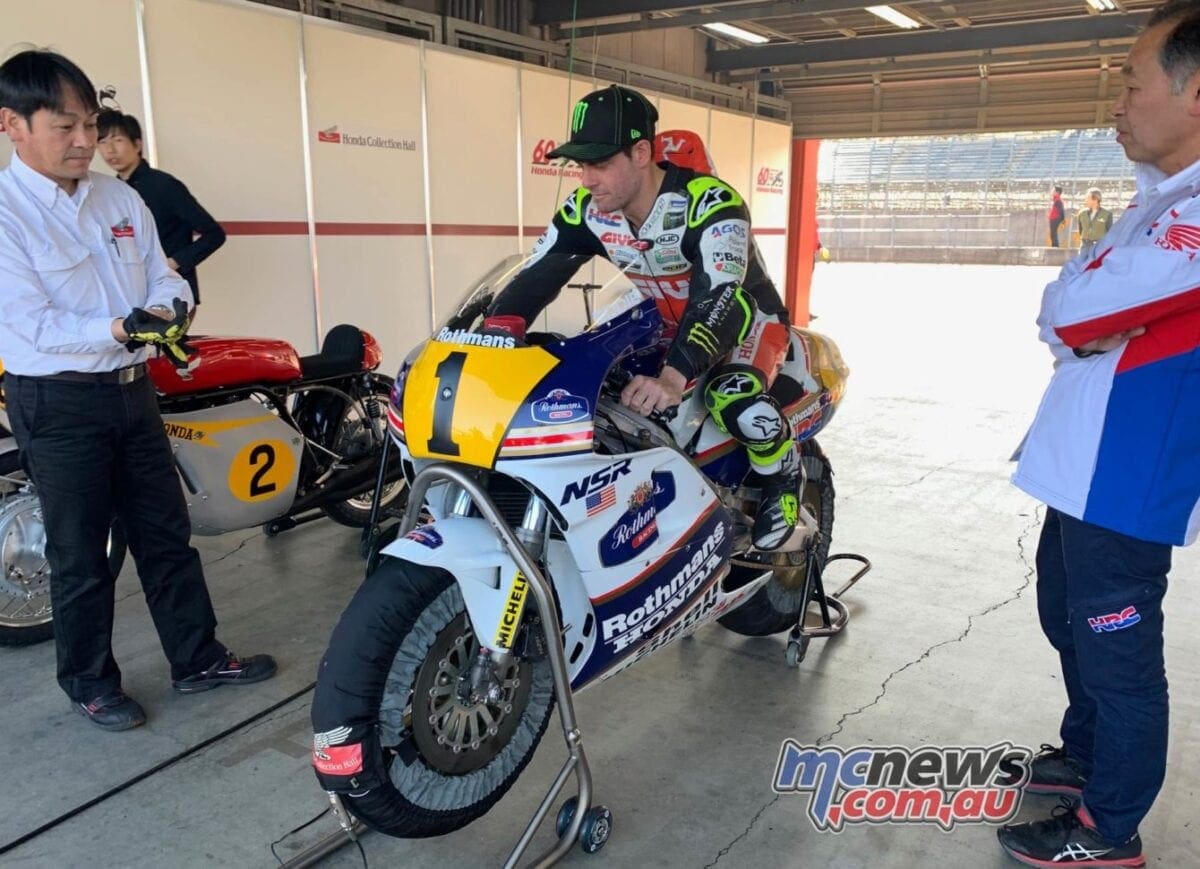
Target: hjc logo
[(593, 483)]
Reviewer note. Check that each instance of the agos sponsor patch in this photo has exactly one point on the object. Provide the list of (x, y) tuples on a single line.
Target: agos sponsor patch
[(735, 228)]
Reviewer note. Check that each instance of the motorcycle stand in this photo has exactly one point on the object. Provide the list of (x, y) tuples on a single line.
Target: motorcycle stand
[(577, 820), (834, 614)]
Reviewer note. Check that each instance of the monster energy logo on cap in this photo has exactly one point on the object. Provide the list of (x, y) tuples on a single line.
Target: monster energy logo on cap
[(604, 122)]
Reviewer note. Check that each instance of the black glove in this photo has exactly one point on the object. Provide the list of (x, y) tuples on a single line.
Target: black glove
[(144, 328)]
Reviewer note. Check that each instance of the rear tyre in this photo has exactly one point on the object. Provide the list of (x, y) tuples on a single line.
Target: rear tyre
[(354, 439), (395, 662), (776, 606)]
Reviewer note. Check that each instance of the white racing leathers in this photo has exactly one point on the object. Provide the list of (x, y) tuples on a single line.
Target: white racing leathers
[(694, 245)]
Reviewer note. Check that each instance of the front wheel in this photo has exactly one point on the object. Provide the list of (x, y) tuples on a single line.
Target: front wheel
[(354, 439), (395, 667), (776, 606)]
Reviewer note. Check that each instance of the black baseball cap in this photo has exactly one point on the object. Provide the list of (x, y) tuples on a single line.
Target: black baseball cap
[(605, 121)]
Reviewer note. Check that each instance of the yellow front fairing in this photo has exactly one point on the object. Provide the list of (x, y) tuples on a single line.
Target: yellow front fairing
[(459, 398)]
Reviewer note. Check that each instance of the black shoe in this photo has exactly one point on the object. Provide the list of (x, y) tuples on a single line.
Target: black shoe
[(1068, 837), (113, 711), (230, 670), (778, 511), (1053, 772)]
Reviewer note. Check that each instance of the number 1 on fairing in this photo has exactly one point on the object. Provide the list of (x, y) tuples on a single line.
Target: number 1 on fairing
[(449, 372)]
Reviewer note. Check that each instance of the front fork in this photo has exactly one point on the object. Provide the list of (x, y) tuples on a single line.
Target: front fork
[(484, 684)]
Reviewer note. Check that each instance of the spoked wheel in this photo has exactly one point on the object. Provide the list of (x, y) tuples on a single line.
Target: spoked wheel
[(26, 616), (399, 666), (355, 440), (776, 606)]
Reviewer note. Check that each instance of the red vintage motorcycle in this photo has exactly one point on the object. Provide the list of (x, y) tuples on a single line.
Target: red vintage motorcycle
[(261, 435)]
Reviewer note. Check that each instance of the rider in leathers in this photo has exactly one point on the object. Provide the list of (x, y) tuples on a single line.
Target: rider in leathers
[(683, 238)]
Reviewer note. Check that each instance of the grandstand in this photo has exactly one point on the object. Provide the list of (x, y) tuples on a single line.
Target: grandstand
[(995, 171), (980, 192)]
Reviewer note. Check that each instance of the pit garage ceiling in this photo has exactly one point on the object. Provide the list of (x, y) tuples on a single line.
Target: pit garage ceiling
[(969, 65)]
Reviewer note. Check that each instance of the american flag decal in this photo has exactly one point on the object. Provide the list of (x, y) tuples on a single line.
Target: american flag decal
[(1180, 236), (601, 500)]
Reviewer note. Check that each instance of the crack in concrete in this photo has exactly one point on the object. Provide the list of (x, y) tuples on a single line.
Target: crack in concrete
[(138, 591), (234, 551), (873, 487), (1030, 570)]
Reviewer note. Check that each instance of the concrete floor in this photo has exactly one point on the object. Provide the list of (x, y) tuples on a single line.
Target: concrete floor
[(943, 649)]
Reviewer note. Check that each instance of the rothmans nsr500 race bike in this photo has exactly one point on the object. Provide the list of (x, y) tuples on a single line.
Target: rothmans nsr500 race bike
[(441, 675)]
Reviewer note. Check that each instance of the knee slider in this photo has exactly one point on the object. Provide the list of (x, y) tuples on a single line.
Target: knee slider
[(741, 407)]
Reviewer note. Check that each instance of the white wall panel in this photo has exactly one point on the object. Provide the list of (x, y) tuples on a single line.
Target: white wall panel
[(380, 284), (100, 36), (729, 144), (226, 88), (545, 123), (225, 84), (368, 184), (472, 167), (769, 194), (365, 138)]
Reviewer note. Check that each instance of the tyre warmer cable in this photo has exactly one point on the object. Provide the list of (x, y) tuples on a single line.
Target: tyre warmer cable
[(170, 761)]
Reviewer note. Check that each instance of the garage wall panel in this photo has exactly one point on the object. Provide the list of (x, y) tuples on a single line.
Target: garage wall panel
[(472, 106), (771, 168), (545, 119), (678, 115), (225, 81), (368, 184), (100, 36), (729, 143)]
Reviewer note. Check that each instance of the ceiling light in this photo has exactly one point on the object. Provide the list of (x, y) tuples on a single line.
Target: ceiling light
[(736, 33), (890, 15), (1102, 5)]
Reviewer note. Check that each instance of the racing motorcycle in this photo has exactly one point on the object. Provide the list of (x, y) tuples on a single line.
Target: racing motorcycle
[(261, 436), (439, 682)]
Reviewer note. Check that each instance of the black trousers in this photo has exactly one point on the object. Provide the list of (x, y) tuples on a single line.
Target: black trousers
[(94, 450)]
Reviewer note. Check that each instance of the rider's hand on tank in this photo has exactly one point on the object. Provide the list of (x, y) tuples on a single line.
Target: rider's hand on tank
[(647, 394)]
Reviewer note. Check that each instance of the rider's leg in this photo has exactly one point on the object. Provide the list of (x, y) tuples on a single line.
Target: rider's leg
[(737, 398)]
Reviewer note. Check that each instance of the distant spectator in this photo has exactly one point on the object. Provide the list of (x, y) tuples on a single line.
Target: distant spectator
[(1056, 215), (177, 215), (1094, 223)]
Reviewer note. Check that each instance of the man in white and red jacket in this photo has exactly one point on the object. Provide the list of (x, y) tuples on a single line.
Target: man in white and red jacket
[(1114, 453)]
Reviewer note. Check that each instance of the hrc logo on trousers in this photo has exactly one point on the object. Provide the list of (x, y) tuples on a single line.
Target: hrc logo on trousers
[(1126, 618)]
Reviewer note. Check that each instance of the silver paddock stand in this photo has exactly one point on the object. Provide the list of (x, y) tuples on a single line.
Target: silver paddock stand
[(834, 614), (576, 762)]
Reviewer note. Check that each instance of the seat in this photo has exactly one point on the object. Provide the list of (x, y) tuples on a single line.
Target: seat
[(341, 354)]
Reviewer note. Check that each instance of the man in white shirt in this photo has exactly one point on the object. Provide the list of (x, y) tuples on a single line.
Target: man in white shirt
[(81, 268), (1114, 453)]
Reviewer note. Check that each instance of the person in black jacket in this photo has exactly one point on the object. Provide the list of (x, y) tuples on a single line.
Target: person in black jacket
[(189, 234)]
